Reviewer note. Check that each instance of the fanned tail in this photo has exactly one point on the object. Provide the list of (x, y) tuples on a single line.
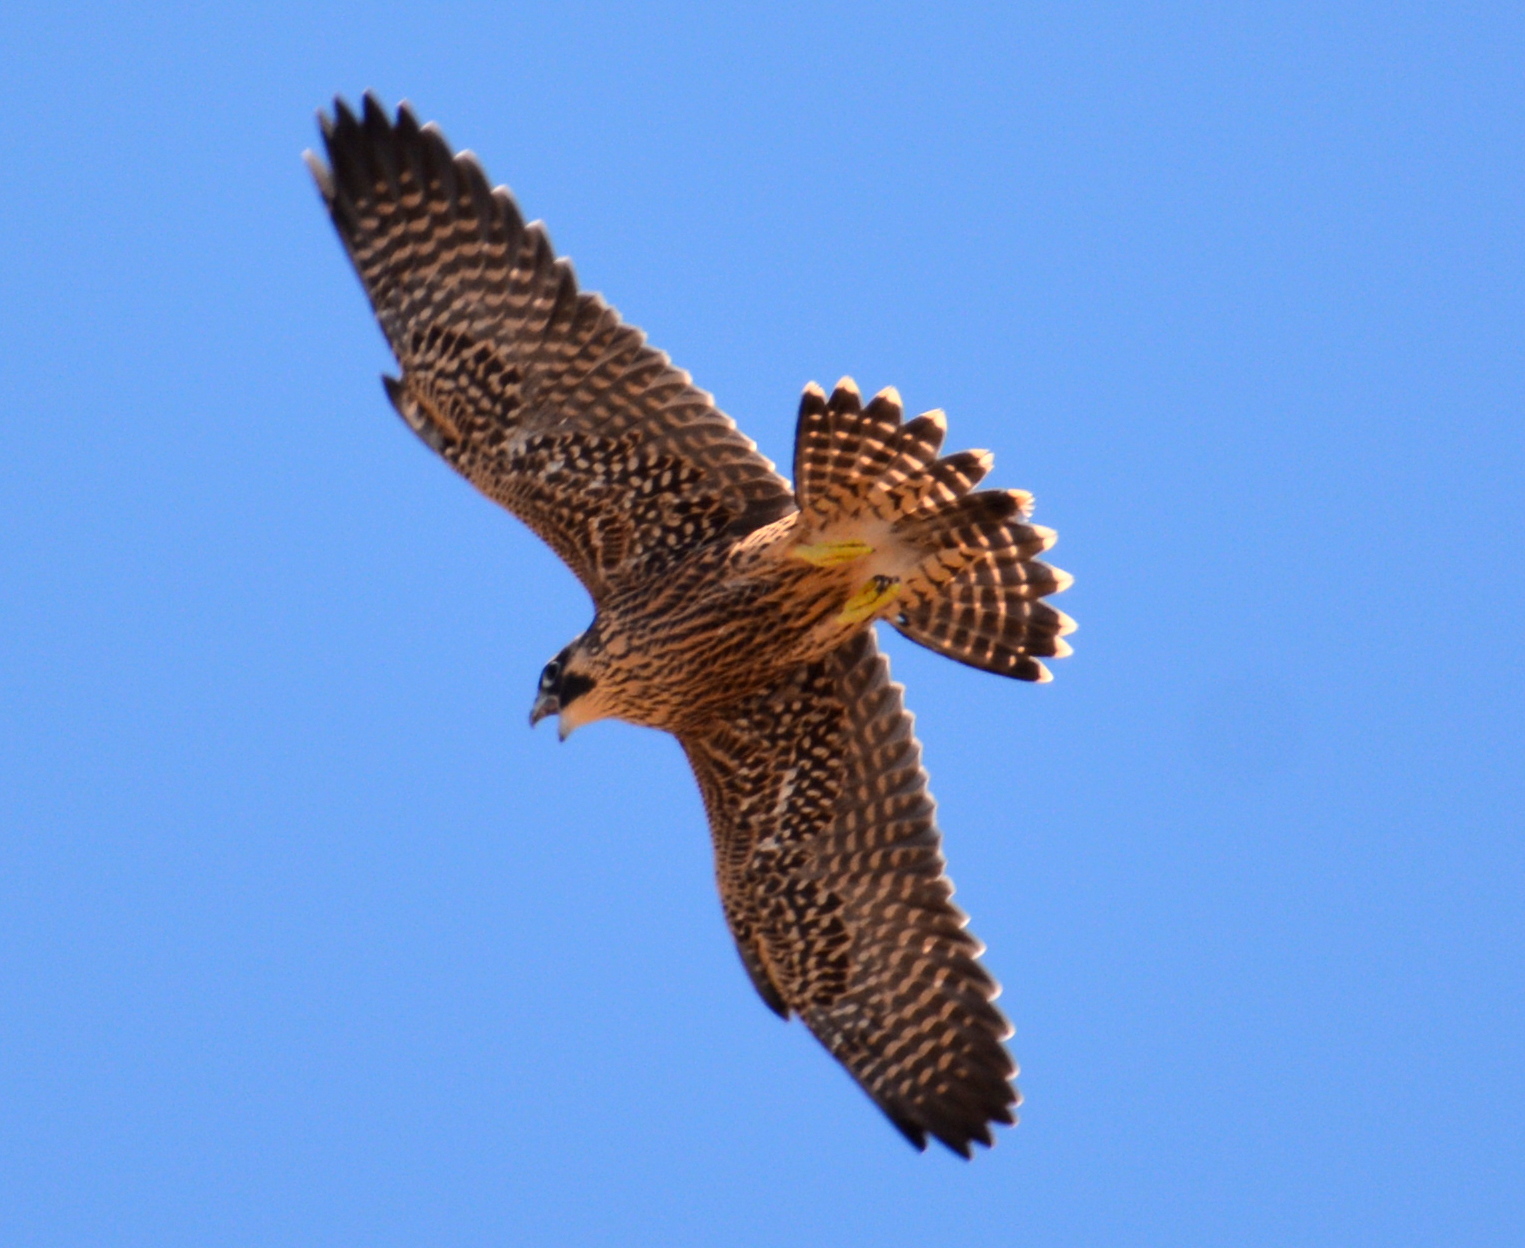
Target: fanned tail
[(954, 569), (990, 616), (840, 445)]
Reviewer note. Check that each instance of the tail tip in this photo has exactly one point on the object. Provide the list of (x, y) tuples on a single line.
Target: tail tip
[(812, 403), (936, 419)]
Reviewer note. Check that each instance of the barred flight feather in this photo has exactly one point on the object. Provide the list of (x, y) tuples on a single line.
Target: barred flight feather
[(834, 886), (538, 394)]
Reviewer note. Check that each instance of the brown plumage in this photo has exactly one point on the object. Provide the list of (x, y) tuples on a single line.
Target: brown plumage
[(731, 610)]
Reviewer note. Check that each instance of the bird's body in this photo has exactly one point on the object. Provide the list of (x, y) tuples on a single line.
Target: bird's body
[(732, 610), (721, 623)]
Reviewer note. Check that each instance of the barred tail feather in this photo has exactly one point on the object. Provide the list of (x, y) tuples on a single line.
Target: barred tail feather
[(844, 450), (838, 441), (964, 562), (939, 483), (987, 520), (991, 616)]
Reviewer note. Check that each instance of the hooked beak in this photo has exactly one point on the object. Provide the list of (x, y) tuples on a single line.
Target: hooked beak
[(545, 704)]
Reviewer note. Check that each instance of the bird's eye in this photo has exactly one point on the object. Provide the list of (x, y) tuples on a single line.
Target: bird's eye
[(552, 671)]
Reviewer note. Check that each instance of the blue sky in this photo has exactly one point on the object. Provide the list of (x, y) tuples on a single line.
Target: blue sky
[(305, 938)]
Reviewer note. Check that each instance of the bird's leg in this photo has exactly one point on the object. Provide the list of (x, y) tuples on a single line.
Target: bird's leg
[(870, 599), (832, 554)]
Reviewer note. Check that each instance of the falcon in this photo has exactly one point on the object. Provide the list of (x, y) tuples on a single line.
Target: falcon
[(731, 608)]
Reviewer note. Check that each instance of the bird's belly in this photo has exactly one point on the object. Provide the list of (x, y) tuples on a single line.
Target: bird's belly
[(714, 646)]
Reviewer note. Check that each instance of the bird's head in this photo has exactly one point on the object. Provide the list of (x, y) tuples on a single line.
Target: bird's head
[(569, 689)]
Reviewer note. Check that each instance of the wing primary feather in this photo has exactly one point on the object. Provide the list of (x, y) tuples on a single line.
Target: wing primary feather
[(499, 345), (890, 984)]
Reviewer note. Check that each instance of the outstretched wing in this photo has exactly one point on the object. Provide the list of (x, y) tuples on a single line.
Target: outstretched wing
[(539, 395), (826, 849)]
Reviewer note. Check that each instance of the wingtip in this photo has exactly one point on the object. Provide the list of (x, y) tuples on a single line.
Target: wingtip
[(321, 174), (372, 108), (470, 165), (913, 1134)]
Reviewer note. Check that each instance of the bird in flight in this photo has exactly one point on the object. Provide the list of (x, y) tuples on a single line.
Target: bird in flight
[(732, 609)]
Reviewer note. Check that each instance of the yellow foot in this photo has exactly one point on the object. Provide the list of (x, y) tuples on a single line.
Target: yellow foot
[(832, 554), (870, 600)]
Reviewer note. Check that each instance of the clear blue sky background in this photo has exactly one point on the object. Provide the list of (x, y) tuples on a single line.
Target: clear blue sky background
[(305, 939)]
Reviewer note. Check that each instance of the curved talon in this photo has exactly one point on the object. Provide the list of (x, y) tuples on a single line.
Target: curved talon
[(870, 600)]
